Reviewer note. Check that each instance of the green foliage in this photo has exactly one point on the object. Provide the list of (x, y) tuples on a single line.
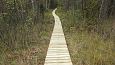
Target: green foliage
[(24, 32)]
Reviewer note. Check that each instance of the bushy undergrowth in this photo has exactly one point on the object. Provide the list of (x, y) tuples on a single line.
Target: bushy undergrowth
[(25, 43), (89, 42)]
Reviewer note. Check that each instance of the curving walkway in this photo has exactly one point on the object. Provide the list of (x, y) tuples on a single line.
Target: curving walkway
[(58, 53)]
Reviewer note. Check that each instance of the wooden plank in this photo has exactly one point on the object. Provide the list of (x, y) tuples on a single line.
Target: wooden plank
[(57, 53)]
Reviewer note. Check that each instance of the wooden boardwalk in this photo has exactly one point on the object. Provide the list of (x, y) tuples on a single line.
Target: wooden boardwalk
[(58, 53)]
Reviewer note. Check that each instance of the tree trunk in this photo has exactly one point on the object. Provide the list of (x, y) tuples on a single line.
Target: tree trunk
[(113, 8), (32, 1), (1, 6), (105, 9)]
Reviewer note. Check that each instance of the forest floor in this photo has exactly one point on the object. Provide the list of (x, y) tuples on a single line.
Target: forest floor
[(34, 54), (86, 48)]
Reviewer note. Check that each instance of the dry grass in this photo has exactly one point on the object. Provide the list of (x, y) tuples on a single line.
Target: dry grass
[(88, 47), (28, 42)]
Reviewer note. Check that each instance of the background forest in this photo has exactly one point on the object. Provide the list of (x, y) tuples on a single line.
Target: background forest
[(26, 27)]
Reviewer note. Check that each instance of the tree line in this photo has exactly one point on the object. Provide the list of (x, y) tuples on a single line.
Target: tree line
[(95, 15), (101, 9)]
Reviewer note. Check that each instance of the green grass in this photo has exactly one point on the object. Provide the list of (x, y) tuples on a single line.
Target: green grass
[(87, 47), (27, 43)]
